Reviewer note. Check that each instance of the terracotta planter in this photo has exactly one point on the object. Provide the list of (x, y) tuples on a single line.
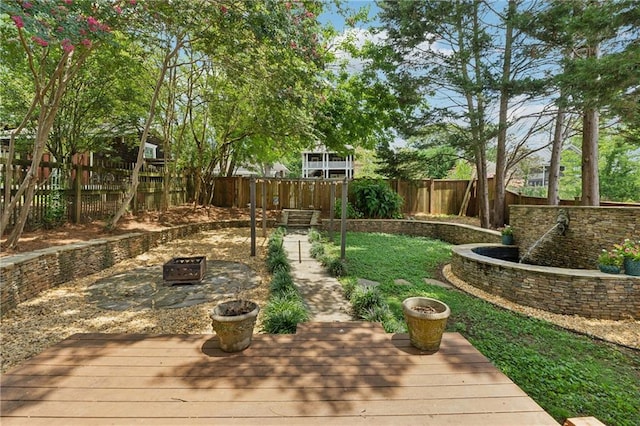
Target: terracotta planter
[(233, 322), (426, 319)]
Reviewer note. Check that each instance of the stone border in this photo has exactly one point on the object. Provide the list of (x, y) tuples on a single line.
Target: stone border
[(453, 233), (25, 275), (585, 292)]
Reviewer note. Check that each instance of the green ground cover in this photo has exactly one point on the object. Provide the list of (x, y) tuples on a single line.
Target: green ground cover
[(566, 373)]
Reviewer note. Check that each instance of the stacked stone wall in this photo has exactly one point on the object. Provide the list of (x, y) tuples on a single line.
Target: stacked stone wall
[(588, 293), (24, 276), (590, 230), (452, 233)]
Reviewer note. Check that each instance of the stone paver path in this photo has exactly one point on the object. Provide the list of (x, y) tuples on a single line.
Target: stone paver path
[(321, 292), (143, 288)]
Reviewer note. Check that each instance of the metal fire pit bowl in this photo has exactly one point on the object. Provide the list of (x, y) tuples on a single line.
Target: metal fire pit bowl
[(184, 270)]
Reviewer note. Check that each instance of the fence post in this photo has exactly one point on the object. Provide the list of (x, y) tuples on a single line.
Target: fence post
[(264, 208), (432, 190), (252, 193), (77, 205), (343, 227), (332, 210)]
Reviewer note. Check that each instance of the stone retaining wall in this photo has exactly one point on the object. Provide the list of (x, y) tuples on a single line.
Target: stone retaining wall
[(452, 233), (24, 276), (588, 293), (590, 230)]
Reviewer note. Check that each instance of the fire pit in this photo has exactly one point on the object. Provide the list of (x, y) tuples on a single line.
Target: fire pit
[(184, 270)]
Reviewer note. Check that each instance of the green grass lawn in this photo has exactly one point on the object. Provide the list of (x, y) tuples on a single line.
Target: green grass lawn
[(568, 374)]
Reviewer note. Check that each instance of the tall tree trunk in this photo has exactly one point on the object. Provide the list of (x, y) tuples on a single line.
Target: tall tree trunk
[(590, 178), (145, 134), (501, 156), (590, 135), (553, 191), (166, 139)]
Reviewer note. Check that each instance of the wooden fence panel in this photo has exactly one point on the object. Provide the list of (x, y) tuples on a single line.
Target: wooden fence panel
[(87, 193)]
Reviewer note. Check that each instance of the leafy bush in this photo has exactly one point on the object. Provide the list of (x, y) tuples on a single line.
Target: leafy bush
[(337, 267), (278, 261), (285, 308), (55, 212), (352, 213), (314, 235), (275, 242), (376, 200), (317, 249), (366, 299), (281, 282), (349, 284), (283, 313)]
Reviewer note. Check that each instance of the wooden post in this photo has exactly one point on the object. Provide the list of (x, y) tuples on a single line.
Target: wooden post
[(343, 227), (77, 207), (432, 190), (264, 208), (252, 186), (332, 210)]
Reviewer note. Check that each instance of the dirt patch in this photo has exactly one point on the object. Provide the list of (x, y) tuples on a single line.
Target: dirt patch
[(144, 222)]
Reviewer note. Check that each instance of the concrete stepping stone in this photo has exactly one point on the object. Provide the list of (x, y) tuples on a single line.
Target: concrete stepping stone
[(431, 281)]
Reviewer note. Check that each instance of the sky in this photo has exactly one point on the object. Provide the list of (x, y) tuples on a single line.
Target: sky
[(331, 15)]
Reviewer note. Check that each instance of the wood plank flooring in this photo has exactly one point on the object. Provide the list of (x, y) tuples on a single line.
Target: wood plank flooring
[(327, 373)]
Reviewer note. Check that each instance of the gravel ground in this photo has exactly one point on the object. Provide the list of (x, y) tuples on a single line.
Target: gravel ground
[(625, 332), (60, 312)]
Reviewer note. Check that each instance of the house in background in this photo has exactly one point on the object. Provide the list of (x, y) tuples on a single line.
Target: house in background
[(321, 163), (539, 176)]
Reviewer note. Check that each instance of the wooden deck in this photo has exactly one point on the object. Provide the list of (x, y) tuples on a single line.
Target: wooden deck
[(327, 373)]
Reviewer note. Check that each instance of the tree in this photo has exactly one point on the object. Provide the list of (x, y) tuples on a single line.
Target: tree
[(444, 46), (619, 170), (56, 40), (599, 45)]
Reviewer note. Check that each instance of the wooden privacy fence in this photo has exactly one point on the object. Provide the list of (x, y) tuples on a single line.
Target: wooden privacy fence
[(430, 196), (85, 193)]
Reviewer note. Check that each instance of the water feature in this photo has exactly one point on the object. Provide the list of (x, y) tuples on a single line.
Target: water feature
[(561, 225), (569, 284)]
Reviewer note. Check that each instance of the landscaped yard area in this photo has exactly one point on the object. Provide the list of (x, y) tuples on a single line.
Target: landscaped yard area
[(568, 374)]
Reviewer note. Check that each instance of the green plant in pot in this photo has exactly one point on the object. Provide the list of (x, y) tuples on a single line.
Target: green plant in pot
[(630, 252), (233, 322), (610, 261), (507, 235)]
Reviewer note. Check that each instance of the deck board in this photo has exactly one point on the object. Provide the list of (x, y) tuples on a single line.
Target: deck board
[(338, 373)]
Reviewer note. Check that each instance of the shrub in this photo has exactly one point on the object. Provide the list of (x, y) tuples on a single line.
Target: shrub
[(317, 249), (376, 200), (352, 213), (283, 313), (275, 243), (337, 267), (365, 299), (278, 261), (281, 282), (349, 285), (314, 235)]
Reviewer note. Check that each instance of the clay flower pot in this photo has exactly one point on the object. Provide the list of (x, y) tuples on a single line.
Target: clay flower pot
[(233, 322), (426, 319)]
